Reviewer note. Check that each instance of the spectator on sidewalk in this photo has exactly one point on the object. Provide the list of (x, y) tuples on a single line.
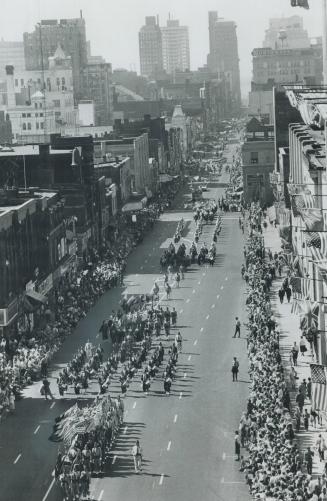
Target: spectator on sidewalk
[(288, 291), (281, 294), (293, 377), (321, 447), (306, 418), (295, 353), (303, 388), (308, 455), (300, 401), (309, 388), (303, 346)]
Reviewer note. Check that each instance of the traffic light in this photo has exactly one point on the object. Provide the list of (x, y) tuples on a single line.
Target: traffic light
[(300, 3)]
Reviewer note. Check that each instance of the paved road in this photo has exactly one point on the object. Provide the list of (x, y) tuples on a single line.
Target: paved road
[(187, 438)]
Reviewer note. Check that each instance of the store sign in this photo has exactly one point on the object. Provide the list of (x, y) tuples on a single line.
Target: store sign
[(8, 314), (46, 286)]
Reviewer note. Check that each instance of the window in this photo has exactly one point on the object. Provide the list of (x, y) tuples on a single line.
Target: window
[(42, 125), (24, 126), (28, 115), (22, 82), (58, 82), (35, 105), (254, 157), (40, 105), (41, 114), (56, 103), (16, 82), (36, 115), (29, 126), (24, 115)]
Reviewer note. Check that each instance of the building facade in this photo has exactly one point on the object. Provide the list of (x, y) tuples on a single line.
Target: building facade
[(43, 41), (223, 53), (97, 86), (286, 33), (150, 47), (11, 53), (258, 158), (175, 46)]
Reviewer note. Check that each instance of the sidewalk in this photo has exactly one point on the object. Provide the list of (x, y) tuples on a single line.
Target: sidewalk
[(288, 324)]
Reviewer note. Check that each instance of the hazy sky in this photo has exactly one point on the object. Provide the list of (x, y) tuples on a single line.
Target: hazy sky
[(113, 25)]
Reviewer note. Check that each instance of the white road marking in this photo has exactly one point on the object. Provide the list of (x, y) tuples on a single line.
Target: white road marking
[(208, 316), (52, 405), (169, 445), (224, 456), (114, 459), (137, 275), (180, 395), (53, 473), (213, 306), (141, 268), (199, 283), (193, 291), (49, 489), (218, 296), (226, 279), (125, 430), (195, 342), (203, 274), (161, 479), (175, 418), (201, 330), (146, 261), (222, 287), (189, 357), (134, 405), (185, 375), (181, 311), (97, 335), (223, 481), (37, 429), (101, 495), (17, 458), (188, 300)]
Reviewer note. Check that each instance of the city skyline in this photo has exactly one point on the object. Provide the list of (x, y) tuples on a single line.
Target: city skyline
[(121, 48)]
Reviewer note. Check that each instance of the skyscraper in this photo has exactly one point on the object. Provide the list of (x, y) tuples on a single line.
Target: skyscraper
[(223, 53), (175, 46), (43, 41), (286, 33), (150, 46)]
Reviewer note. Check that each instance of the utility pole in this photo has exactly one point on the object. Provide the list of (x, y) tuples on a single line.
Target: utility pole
[(324, 40)]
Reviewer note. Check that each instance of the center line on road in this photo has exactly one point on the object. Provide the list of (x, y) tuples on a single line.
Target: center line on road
[(180, 395), (134, 405), (146, 261), (222, 287), (175, 418), (218, 296), (101, 495), (185, 375), (226, 279), (208, 316), (169, 445), (201, 330), (114, 459), (188, 300), (161, 479), (52, 405), (195, 343), (203, 274), (37, 429), (17, 458), (125, 430), (193, 291), (213, 306), (141, 268), (199, 283), (224, 456), (49, 489), (189, 357), (181, 311)]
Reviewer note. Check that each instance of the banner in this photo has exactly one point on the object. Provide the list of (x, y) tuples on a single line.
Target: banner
[(319, 387)]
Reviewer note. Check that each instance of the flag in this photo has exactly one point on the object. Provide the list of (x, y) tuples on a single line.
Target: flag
[(300, 285), (312, 239), (319, 387), (296, 306), (300, 3), (313, 218)]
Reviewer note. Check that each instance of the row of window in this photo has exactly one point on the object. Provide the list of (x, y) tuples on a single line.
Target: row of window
[(59, 82), (28, 125), (28, 115)]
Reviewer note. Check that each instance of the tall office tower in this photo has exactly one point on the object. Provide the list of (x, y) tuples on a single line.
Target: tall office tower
[(43, 41), (175, 46), (286, 33), (223, 53), (150, 46)]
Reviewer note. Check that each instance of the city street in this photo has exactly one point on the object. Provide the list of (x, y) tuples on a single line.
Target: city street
[(188, 437)]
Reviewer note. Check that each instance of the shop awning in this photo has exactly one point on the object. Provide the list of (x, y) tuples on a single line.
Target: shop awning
[(36, 296)]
